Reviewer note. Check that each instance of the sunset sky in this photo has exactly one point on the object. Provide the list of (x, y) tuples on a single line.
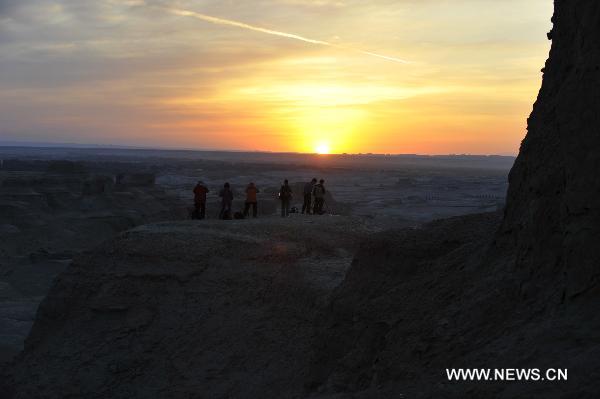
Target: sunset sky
[(382, 76)]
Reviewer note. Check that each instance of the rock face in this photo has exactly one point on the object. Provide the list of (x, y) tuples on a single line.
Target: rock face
[(553, 207), (417, 302), (48, 217), (437, 298), (188, 309)]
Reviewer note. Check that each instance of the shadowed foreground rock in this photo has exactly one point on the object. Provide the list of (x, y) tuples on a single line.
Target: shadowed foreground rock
[(188, 309), (177, 310), (418, 302), (553, 209), (412, 305)]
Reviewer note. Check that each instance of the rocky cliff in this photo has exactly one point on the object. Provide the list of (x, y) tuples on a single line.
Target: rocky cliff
[(527, 298), (188, 309), (553, 207), (49, 212)]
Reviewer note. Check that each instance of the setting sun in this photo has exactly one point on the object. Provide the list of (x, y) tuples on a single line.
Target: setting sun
[(322, 148), (257, 76)]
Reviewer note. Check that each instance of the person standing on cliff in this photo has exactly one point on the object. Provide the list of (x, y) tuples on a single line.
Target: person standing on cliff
[(285, 195), (308, 189), (251, 200), (319, 193), (200, 192), (226, 201)]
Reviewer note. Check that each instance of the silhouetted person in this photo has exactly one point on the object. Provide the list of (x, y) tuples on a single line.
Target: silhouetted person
[(308, 189), (226, 200), (200, 192), (285, 195), (319, 193), (251, 200)]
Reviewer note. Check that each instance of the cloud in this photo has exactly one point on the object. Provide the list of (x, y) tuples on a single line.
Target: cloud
[(104, 69), (6, 6), (242, 25)]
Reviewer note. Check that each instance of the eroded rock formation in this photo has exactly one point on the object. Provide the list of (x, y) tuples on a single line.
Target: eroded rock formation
[(188, 309), (553, 206), (529, 298)]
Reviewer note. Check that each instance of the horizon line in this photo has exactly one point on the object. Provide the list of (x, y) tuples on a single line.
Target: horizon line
[(33, 144)]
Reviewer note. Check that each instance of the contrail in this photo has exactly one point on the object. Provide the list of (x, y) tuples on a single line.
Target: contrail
[(221, 21)]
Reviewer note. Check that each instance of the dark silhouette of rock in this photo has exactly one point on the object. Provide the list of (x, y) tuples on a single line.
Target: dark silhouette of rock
[(417, 302), (46, 218), (188, 310), (553, 208)]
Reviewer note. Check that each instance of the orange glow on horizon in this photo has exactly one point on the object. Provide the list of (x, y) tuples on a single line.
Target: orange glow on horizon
[(192, 80)]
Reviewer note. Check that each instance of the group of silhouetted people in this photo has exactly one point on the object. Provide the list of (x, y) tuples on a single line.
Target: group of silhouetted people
[(316, 190), (312, 190)]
